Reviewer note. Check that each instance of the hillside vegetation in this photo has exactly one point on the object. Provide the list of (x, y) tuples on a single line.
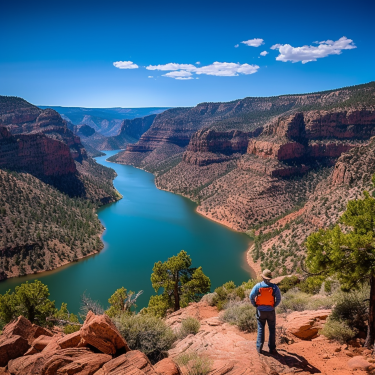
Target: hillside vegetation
[(42, 228)]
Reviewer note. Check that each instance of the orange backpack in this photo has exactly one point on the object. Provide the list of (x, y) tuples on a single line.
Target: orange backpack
[(265, 297)]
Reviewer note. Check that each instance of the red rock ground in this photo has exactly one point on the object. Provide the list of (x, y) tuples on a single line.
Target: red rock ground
[(234, 351)]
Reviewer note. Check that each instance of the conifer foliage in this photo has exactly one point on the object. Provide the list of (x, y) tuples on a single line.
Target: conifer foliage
[(348, 251), (180, 282)]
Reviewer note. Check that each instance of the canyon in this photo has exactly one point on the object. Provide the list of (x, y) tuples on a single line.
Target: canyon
[(247, 163), (251, 162), (129, 132), (46, 175), (106, 121)]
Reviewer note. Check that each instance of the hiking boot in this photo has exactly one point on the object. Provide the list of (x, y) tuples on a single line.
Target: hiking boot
[(260, 351)]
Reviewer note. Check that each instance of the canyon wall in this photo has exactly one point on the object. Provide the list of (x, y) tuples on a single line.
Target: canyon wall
[(281, 246), (283, 163), (172, 130), (43, 169), (35, 153), (21, 117), (130, 131)]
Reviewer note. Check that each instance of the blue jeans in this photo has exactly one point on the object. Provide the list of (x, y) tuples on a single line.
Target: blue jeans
[(270, 318)]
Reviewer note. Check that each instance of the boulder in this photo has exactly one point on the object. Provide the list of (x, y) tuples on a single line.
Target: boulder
[(65, 361), (87, 364), (41, 342), (70, 341), (306, 324), (22, 327), (12, 347), (26, 365), (52, 345), (101, 333), (358, 363), (133, 362), (31, 351), (167, 367)]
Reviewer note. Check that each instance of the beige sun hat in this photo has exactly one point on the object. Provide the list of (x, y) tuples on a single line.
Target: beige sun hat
[(267, 275)]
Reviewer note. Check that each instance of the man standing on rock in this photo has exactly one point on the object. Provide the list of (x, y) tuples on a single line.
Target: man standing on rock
[(265, 296)]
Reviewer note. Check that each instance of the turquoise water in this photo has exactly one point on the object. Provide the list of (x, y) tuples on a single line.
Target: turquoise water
[(146, 226)]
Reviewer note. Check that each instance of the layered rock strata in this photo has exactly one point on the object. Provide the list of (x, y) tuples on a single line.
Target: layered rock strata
[(172, 130), (351, 175), (36, 154), (21, 117), (281, 167)]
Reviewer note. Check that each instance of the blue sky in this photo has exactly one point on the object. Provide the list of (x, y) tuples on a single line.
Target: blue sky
[(62, 52)]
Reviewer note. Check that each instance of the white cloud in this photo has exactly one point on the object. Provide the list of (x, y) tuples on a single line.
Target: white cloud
[(150, 76), (198, 63), (171, 66), (125, 65), (306, 54), (221, 69), (276, 46), (264, 53), (179, 74), (236, 46), (253, 42), (227, 69)]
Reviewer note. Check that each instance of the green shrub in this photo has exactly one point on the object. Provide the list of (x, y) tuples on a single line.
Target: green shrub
[(146, 333), (64, 315), (293, 300), (288, 283), (210, 298), (311, 285), (318, 302), (2, 325), (222, 294), (194, 363), (241, 315), (338, 330), (352, 307), (30, 300), (69, 328), (189, 326), (229, 292), (157, 306)]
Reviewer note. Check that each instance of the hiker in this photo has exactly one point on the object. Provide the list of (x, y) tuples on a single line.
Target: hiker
[(265, 296)]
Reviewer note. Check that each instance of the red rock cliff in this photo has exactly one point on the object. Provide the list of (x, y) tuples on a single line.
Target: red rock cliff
[(35, 153), (21, 117)]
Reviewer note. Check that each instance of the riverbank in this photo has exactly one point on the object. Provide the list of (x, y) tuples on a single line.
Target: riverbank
[(256, 270), (249, 265), (146, 226)]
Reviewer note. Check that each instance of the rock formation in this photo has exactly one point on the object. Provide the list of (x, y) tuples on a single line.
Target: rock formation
[(99, 349), (21, 117), (346, 181), (130, 131), (172, 130), (36, 154), (283, 162), (96, 349)]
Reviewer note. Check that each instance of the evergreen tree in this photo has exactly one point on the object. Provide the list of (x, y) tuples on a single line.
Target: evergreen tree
[(348, 251), (180, 282), (30, 300)]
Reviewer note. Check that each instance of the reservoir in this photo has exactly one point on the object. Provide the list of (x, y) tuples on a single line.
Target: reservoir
[(145, 226)]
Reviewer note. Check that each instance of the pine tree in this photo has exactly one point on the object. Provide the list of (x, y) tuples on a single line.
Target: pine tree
[(348, 251), (180, 282)]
